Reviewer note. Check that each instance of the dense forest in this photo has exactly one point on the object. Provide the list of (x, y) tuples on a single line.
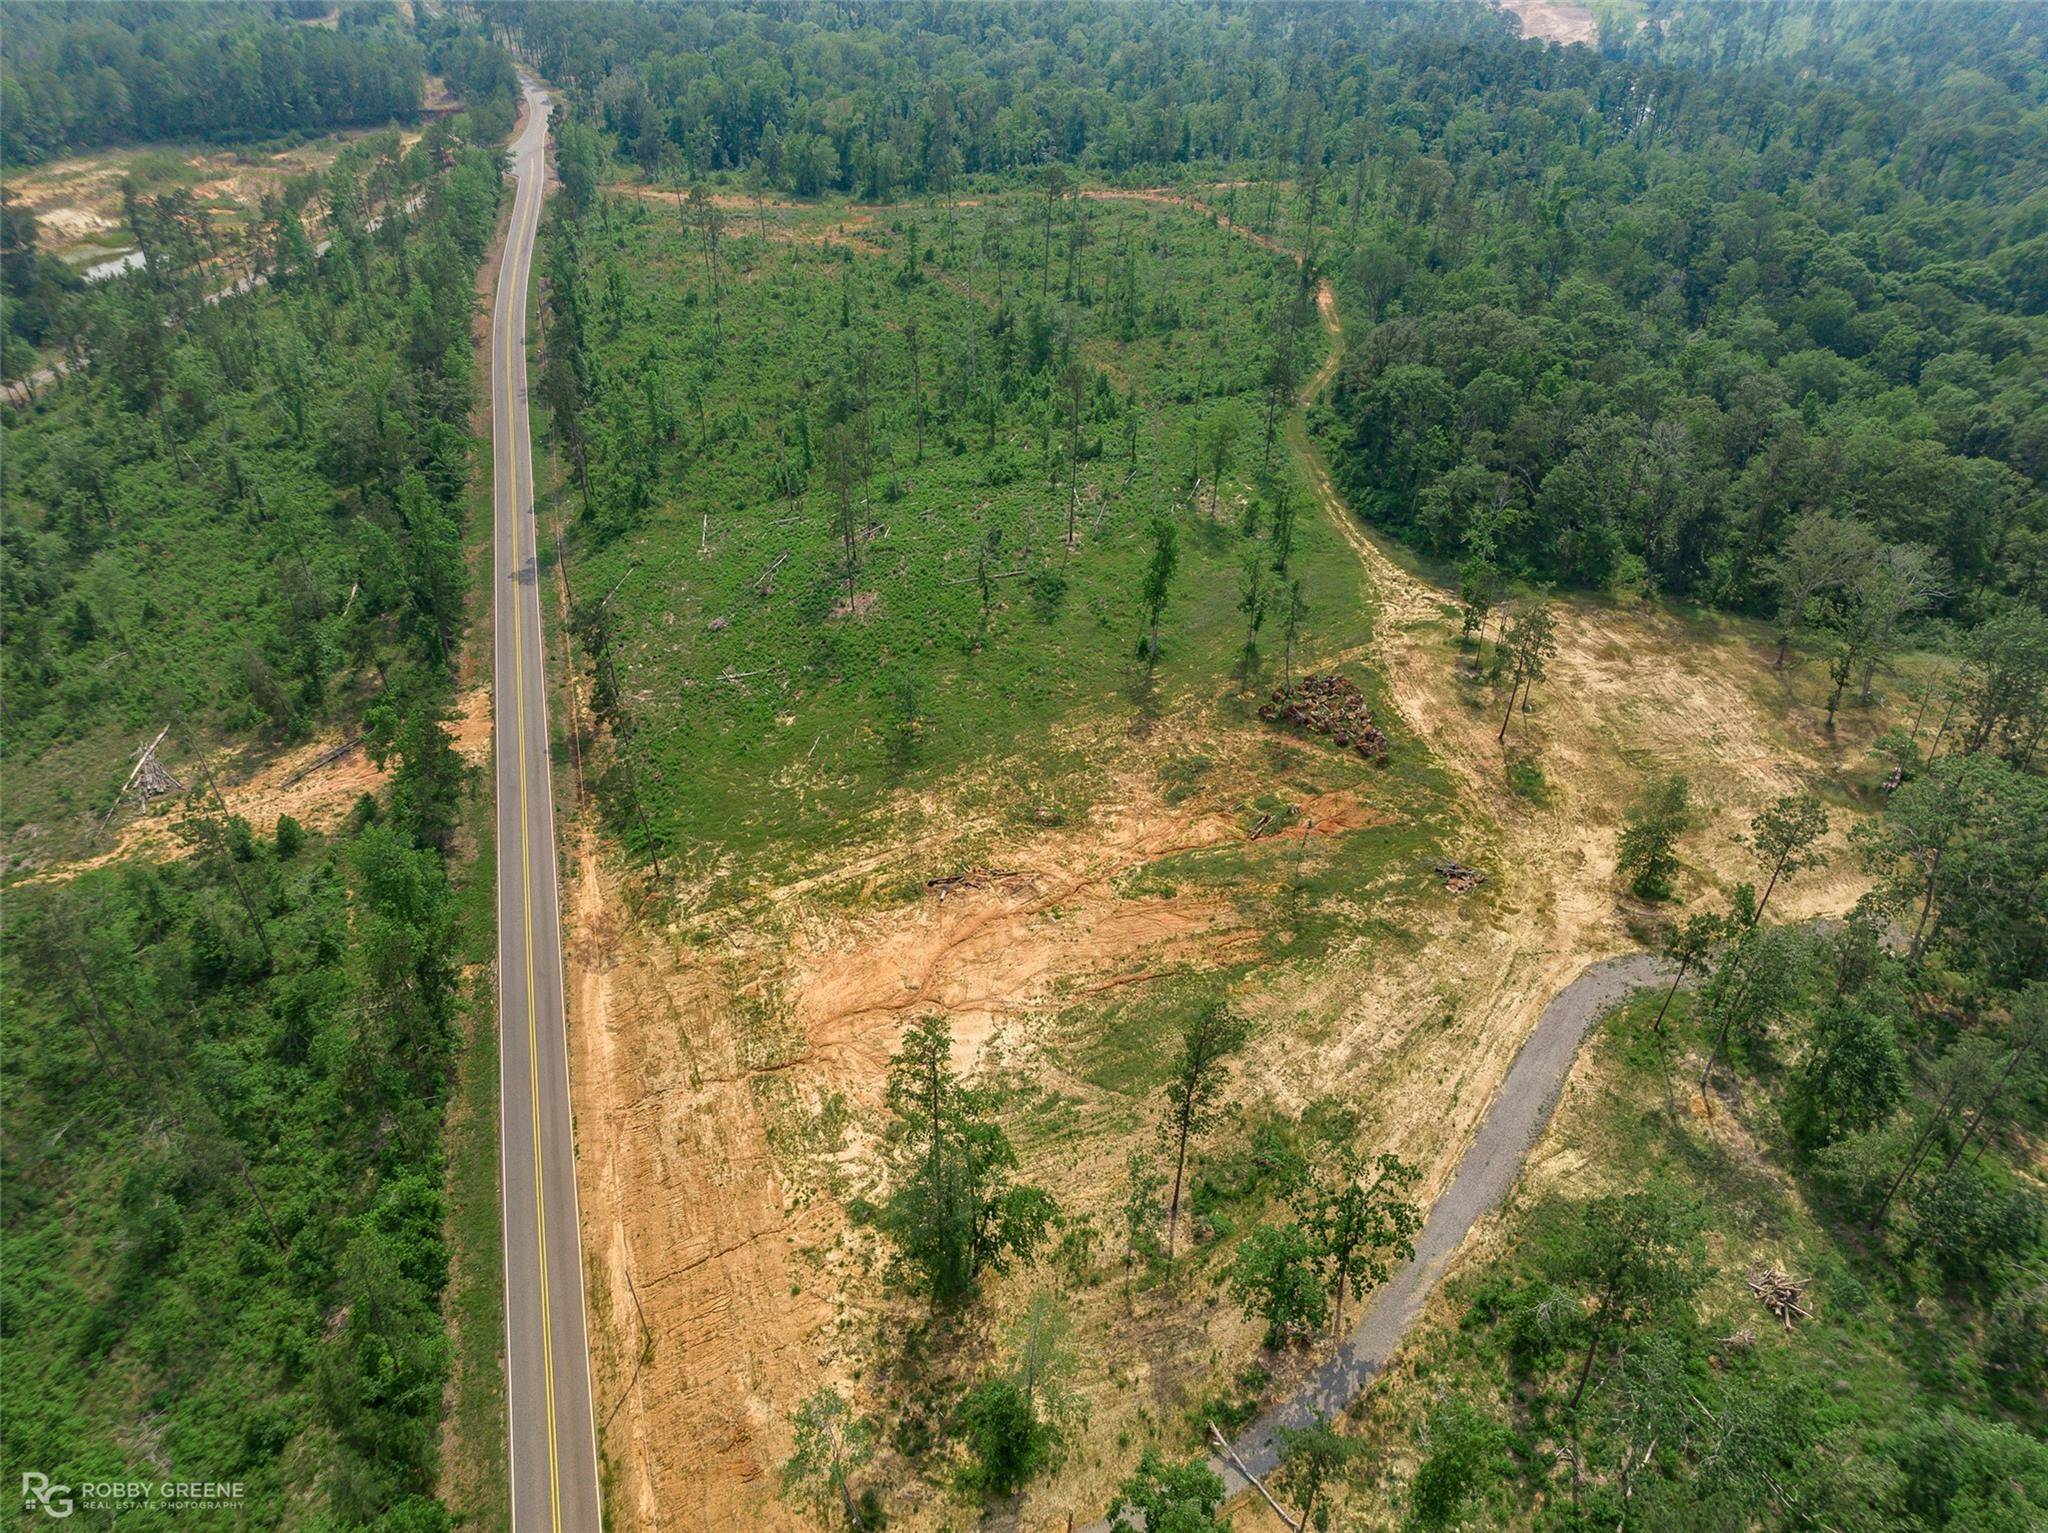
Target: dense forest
[(240, 519), (1629, 321), (80, 75)]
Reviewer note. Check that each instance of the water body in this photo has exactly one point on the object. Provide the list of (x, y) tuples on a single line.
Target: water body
[(101, 271)]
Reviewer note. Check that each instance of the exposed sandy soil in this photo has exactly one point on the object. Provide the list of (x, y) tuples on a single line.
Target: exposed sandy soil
[(1551, 21), (77, 200), (708, 1071), (318, 795), (726, 1069)]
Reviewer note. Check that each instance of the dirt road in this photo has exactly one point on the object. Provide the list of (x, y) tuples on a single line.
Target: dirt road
[(1560, 851), (1495, 1156)]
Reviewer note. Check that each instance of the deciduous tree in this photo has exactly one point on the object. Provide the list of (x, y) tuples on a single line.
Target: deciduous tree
[(954, 1210), (1647, 856), (833, 1444)]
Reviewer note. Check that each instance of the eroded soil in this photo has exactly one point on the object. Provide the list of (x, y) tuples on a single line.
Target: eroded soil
[(310, 782), (1552, 21)]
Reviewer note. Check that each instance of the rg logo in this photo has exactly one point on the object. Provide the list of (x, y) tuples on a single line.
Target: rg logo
[(36, 1490)]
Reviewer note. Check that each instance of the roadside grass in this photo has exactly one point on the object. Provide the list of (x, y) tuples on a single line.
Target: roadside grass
[(475, 1464)]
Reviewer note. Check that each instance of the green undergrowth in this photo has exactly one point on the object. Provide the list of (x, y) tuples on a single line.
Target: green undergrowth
[(1906, 1399), (770, 730)]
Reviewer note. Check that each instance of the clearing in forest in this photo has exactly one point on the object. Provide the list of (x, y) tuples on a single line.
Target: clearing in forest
[(897, 754)]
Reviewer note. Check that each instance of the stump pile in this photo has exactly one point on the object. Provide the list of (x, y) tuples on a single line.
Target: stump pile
[(1779, 1294), (1329, 705), (973, 878)]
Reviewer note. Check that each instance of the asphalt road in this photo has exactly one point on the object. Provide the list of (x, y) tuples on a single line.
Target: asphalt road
[(547, 1353)]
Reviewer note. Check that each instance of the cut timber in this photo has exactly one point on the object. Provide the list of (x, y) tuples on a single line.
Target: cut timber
[(146, 780), (1222, 1446), (149, 778), (1779, 1293), (764, 583), (325, 758), (973, 878), (1329, 705), (1458, 878)]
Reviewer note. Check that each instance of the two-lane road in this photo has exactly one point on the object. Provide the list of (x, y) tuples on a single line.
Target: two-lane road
[(547, 1355)]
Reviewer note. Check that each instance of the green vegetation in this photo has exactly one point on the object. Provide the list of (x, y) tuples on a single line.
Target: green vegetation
[(953, 1211), (950, 528), (225, 1186), (932, 397), (77, 76), (1647, 856), (249, 509), (1176, 1498), (1873, 1145), (833, 1444)]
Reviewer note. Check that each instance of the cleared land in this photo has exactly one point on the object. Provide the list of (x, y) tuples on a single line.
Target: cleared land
[(732, 1023), (77, 200)]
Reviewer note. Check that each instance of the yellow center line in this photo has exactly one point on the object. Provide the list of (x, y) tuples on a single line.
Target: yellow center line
[(515, 317)]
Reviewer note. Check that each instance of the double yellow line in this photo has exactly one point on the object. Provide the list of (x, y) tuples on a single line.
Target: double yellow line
[(515, 324)]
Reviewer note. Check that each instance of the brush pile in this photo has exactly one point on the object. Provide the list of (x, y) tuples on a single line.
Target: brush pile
[(973, 878), (1333, 706), (1458, 878), (1779, 1294)]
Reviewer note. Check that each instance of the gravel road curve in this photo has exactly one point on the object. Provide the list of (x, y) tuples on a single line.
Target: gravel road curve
[(1506, 1135), (1510, 1129)]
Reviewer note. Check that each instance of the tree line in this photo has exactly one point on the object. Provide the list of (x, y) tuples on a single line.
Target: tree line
[(242, 516), (76, 76), (310, 436), (1633, 317)]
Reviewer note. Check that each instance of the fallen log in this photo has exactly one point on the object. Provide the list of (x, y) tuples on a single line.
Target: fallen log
[(325, 758)]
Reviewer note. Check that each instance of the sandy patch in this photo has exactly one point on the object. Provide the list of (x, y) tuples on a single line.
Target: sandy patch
[(724, 1079), (317, 784), (1550, 21)]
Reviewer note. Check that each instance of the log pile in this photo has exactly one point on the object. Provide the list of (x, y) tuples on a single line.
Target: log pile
[(1458, 878), (973, 878), (1330, 705), (152, 781), (1779, 1293)]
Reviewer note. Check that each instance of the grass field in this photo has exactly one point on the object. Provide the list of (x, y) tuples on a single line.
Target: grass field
[(770, 725)]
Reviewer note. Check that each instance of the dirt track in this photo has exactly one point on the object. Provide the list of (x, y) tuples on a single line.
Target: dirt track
[(1489, 1168), (1410, 620)]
